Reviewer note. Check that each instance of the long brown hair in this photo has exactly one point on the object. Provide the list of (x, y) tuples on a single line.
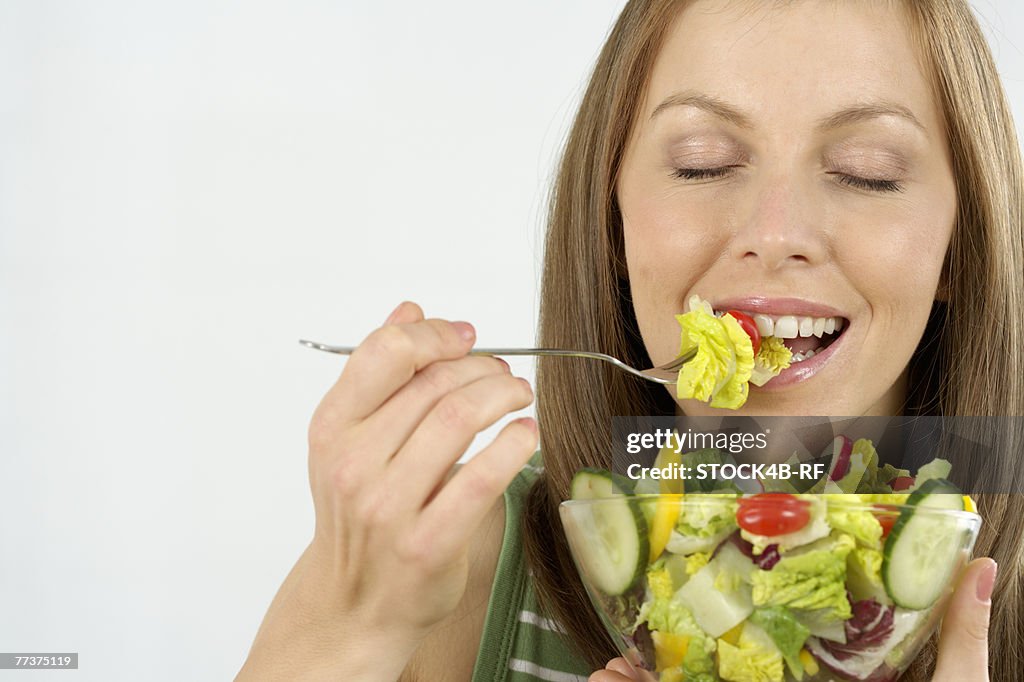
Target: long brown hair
[(972, 364)]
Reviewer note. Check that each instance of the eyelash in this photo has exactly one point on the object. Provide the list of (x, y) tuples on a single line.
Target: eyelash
[(848, 180), (868, 184), (701, 173)]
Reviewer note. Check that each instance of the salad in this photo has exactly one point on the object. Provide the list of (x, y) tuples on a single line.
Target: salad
[(731, 354), (767, 587)]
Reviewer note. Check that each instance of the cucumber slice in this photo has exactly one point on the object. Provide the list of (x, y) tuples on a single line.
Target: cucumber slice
[(590, 483), (612, 543), (923, 549)]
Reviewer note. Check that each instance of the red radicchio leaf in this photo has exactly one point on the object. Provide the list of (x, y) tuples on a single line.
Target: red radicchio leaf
[(830, 660), (869, 628), (768, 558), (765, 560), (870, 625)]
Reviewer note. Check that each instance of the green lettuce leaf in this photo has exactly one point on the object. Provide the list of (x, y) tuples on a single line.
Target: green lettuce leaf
[(864, 575), (786, 631), (937, 468), (755, 658), (860, 524), (812, 580), (707, 514)]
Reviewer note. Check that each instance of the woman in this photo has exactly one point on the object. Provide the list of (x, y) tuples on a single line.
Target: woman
[(844, 159)]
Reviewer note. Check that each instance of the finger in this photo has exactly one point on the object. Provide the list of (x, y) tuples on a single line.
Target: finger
[(608, 676), (404, 313), (398, 417), (387, 359), (448, 430), (963, 642), (620, 666), (448, 522)]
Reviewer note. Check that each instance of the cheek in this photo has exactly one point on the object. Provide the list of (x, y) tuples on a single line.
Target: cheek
[(669, 242), (672, 236), (896, 263), (648, 267)]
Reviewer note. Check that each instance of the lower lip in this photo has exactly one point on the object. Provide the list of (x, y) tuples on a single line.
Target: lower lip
[(802, 371)]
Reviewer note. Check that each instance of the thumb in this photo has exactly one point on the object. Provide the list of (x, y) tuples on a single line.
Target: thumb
[(963, 644), (620, 666)]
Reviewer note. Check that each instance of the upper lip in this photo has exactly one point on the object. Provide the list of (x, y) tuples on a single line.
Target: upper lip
[(777, 306)]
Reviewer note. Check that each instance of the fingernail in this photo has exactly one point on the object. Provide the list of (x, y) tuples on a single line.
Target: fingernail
[(394, 314), (528, 421), (502, 361), (465, 330), (987, 581)]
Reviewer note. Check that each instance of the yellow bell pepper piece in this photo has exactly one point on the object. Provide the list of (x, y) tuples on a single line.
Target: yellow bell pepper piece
[(666, 512), (668, 457), (810, 665), (669, 649), (733, 635)]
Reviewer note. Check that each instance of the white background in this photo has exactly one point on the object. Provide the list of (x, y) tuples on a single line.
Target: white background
[(186, 188)]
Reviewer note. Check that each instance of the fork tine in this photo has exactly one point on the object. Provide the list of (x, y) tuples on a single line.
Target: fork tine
[(660, 376), (674, 365)]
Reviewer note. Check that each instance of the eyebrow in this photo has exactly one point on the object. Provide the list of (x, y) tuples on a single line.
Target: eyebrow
[(711, 105), (865, 112), (857, 113)]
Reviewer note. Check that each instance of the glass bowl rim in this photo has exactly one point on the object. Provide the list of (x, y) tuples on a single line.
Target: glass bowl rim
[(713, 498)]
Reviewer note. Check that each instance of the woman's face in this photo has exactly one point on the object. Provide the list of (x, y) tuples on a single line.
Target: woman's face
[(792, 161)]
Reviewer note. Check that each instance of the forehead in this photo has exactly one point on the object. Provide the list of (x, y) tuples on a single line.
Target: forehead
[(797, 60)]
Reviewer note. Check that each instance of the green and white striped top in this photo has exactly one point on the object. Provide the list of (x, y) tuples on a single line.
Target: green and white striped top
[(518, 643)]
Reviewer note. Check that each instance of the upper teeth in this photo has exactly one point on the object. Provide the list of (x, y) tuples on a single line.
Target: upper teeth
[(791, 326)]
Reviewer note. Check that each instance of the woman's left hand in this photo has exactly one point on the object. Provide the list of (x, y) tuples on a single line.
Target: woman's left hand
[(963, 644)]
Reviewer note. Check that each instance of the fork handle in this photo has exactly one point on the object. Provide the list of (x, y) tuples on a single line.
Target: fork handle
[(347, 350)]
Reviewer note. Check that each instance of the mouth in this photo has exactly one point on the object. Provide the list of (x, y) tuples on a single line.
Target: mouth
[(810, 331)]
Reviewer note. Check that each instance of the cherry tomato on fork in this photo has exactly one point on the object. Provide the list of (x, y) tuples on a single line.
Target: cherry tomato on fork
[(887, 515), (749, 326), (772, 514)]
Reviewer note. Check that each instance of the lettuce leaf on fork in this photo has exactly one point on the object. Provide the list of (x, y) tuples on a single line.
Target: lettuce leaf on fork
[(720, 372), (724, 367)]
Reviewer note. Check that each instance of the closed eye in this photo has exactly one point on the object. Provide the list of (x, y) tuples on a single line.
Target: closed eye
[(868, 183), (702, 173)]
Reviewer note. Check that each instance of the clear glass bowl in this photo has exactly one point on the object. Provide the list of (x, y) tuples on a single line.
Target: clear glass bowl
[(740, 607)]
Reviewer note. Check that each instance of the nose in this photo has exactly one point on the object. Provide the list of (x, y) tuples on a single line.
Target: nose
[(780, 226)]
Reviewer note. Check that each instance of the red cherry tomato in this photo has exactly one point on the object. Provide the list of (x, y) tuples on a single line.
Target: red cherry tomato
[(772, 514), (749, 326), (887, 516), (902, 482)]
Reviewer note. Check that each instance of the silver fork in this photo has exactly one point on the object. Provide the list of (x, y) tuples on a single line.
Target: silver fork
[(663, 374)]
